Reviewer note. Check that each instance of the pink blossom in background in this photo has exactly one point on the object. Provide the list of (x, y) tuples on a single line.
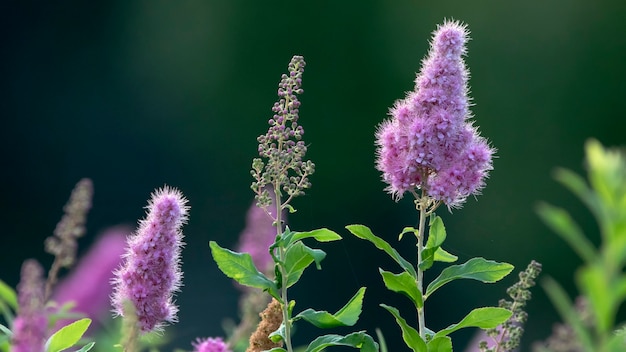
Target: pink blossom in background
[(210, 345), (30, 325), (88, 284), (259, 234), (151, 271)]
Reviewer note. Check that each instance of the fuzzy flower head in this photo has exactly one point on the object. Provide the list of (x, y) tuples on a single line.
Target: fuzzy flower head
[(429, 142), (281, 149), (210, 345), (151, 271), (30, 325)]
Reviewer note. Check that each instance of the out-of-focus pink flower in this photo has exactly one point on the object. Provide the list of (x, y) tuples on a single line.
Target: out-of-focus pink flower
[(210, 344), (259, 234), (30, 325), (88, 285), (151, 271)]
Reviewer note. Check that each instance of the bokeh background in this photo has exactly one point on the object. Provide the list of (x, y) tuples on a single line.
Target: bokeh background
[(138, 94)]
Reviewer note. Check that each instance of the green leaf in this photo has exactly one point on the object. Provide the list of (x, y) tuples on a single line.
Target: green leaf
[(564, 306), (279, 334), (441, 255), (6, 330), (348, 315), (8, 295), (87, 347), (360, 340), (321, 235), (277, 349), (601, 294), (562, 223), (440, 344), (406, 230), (411, 337), (240, 267), (364, 233), (483, 318), (436, 237), (403, 283), (479, 269), (67, 336), (297, 258)]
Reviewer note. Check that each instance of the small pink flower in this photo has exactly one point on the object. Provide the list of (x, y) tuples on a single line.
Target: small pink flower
[(151, 271), (210, 345)]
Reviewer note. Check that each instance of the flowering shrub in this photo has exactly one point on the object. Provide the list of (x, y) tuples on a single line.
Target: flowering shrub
[(429, 148)]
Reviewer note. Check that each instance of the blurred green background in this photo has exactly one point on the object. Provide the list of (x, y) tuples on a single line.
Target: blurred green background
[(137, 94)]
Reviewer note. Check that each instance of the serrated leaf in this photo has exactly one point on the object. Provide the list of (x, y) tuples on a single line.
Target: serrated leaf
[(67, 336), (403, 283), (483, 318), (87, 347), (364, 233), (440, 344), (348, 315), (297, 258), (411, 337), (320, 235), (480, 269), (8, 295), (360, 340), (241, 268)]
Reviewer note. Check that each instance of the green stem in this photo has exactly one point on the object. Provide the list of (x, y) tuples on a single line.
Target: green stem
[(421, 206), (281, 256)]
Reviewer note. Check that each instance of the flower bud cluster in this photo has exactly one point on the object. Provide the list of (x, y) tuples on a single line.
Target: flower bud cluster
[(282, 147), (429, 143)]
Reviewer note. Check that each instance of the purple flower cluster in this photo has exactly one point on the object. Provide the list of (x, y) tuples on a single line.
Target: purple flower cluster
[(210, 345), (151, 272), (429, 143), (30, 326)]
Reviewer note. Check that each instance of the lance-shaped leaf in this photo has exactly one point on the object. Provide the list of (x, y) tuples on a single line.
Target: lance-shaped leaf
[(360, 340), (8, 295), (67, 336), (346, 316), (411, 337), (483, 318), (321, 235), (87, 347), (364, 233), (241, 268), (432, 250), (562, 223), (479, 269), (297, 258), (405, 284)]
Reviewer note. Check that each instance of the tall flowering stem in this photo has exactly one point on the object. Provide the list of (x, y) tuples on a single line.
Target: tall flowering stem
[(284, 169), (430, 149), (151, 270)]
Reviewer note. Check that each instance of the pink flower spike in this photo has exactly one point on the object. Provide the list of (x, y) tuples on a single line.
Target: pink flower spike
[(151, 271), (210, 345), (30, 325)]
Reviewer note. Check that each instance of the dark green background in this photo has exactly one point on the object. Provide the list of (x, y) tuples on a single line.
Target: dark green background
[(137, 94)]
